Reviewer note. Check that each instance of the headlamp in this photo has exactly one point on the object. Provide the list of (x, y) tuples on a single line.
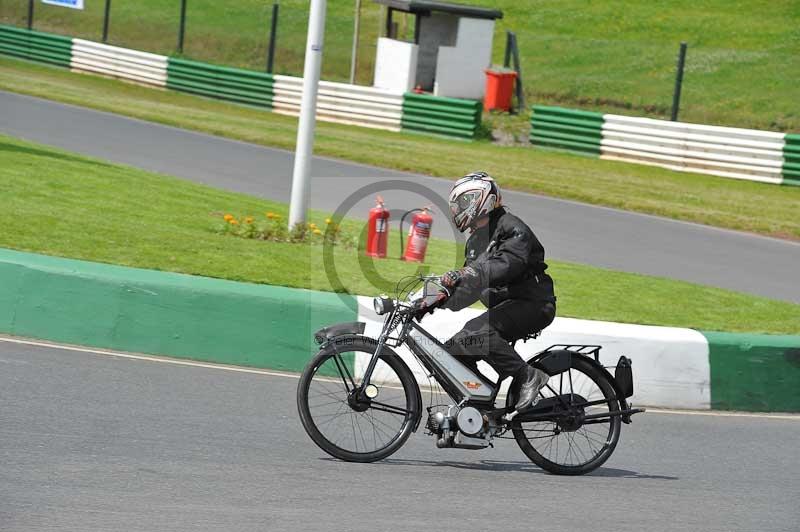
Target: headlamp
[(382, 305)]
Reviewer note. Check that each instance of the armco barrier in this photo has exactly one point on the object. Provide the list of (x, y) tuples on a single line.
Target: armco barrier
[(343, 103), (566, 128), (791, 158), (441, 116), (131, 65), (722, 151), (737, 153), (336, 102), (263, 326), (224, 83), (163, 313), (35, 45)]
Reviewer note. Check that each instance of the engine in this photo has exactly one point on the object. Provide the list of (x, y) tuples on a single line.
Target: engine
[(465, 428)]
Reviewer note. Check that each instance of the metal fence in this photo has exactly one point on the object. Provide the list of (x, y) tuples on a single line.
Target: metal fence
[(236, 34)]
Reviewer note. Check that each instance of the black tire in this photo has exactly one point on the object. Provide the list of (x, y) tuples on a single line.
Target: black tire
[(335, 387), (599, 451)]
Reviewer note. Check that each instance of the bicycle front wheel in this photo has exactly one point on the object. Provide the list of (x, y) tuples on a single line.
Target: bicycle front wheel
[(348, 426)]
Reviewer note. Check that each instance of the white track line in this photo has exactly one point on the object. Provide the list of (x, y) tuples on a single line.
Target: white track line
[(148, 358), (238, 369)]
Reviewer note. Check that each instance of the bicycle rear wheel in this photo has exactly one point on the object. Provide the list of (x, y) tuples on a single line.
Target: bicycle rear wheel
[(352, 428), (567, 443)]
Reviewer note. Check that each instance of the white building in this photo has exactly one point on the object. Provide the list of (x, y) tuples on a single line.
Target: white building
[(451, 50)]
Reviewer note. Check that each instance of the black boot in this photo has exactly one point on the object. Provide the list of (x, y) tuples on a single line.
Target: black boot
[(535, 379)]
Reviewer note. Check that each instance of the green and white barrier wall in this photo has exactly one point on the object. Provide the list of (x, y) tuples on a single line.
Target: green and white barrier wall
[(747, 154), (223, 83), (443, 116), (337, 102), (262, 326), (35, 46)]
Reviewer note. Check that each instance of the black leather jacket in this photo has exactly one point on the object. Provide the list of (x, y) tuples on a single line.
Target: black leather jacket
[(509, 261)]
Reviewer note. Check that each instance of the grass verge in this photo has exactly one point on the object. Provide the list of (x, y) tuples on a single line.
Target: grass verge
[(743, 205), (62, 204)]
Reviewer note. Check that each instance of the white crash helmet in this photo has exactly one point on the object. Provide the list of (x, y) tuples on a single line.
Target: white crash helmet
[(473, 196)]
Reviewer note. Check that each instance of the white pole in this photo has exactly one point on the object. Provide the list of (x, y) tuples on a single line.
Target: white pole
[(354, 53), (308, 109)]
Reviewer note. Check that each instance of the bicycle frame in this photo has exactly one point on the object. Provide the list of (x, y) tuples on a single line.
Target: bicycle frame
[(458, 381)]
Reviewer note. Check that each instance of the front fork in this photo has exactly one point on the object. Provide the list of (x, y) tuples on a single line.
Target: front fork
[(359, 392), (372, 363)]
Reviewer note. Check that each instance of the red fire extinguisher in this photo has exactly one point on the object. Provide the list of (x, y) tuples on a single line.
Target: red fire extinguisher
[(418, 234), (377, 230)]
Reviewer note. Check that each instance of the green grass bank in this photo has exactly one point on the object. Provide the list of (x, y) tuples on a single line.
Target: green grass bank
[(733, 204), (71, 206)]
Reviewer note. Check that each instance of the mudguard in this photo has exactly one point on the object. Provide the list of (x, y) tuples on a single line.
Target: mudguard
[(558, 361), (554, 362), (340, 329)]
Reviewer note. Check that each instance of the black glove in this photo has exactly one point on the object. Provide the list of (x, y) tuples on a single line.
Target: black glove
[(427, 307), (466, 275)]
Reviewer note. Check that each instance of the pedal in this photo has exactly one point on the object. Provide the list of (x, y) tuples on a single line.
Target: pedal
[(508, 417)]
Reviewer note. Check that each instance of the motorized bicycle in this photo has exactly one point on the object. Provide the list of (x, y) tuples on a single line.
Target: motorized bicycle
[(359, 401)]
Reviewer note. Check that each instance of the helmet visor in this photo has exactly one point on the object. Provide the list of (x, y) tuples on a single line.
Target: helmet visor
[(462, 207), (464, 202)]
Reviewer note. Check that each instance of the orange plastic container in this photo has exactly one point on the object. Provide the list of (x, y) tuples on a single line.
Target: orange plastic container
[(499, 90)]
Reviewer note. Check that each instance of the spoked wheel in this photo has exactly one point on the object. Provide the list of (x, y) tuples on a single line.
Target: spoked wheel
[(568, 443), (357, 427)]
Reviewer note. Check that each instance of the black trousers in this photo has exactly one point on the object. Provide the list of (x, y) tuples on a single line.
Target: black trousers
[(488, 336)]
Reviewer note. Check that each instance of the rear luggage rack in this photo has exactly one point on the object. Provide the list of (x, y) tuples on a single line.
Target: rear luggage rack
[(623, 374), (593, 350)]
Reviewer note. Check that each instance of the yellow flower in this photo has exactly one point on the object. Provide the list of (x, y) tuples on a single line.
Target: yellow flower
[(328, 221), (248, 220), (233, 221), (317, 232), (228, 217), (270, 215), (312, 226)]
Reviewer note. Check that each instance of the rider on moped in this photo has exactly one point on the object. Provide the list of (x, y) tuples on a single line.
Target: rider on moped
[(505, 269)]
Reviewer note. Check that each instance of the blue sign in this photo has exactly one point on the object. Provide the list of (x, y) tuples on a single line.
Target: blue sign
[(72, 4)]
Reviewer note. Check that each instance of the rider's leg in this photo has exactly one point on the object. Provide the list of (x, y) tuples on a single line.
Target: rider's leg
[(480, 340), (514, 319), (467, 344), (487, 337)]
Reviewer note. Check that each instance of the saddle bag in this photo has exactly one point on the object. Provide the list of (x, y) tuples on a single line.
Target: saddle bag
[(624, 376)]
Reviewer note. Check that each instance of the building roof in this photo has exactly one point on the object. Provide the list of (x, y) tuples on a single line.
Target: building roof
[(426, 7)]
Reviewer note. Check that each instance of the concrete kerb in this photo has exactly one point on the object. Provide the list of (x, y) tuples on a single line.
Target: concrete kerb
[(755, 372), (213, 320), (170, 314)]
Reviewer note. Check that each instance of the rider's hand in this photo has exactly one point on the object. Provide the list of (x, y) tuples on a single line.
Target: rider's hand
[(453, 278), (425, 306)]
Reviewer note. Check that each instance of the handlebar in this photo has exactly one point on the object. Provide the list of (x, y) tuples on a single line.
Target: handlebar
[(429, 299)]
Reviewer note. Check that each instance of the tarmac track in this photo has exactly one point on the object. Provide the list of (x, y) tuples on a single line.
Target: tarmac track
[(570, 231), (91, 442)]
